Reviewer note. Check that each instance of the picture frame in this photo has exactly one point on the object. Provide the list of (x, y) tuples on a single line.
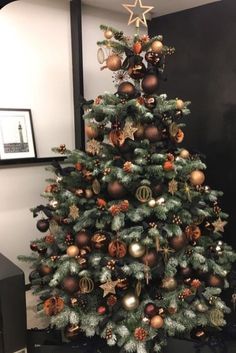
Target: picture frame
[(16, 134)]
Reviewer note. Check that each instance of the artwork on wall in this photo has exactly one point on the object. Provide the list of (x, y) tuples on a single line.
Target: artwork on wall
[(16, 134)]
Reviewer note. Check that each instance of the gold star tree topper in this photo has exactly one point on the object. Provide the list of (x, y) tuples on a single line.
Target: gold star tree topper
[(137, 12)]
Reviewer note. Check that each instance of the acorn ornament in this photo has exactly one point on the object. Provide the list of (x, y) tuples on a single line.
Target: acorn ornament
[(136, 249), (197, 177), (157, 46)]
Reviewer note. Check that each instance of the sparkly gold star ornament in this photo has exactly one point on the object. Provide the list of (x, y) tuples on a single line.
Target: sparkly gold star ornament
[(137, 12), (109, 287), (219, 225)]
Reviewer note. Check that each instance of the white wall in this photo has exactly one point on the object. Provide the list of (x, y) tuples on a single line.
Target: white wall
[(35, 73), (95, 81)]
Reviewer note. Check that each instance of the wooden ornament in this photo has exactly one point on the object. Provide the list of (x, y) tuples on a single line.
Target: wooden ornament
[(72, 251), (157, 46), (156, 322), (197, 177), (152, 133), (113, 62), (100, 56), (117, 249), (53, 306), (150, 83), (144, 193), (70, 284), (86, 285)]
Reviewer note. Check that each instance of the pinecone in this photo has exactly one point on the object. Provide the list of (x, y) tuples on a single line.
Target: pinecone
[(124, 206), (185, 294), (140, 334), (119, 35)]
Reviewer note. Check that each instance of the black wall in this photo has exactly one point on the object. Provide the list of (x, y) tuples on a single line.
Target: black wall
[(203, 70)]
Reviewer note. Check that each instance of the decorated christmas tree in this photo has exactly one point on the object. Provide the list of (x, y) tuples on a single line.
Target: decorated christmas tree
[(132, 248)]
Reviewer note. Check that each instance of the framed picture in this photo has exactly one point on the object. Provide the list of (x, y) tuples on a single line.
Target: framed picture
[(16, 134)]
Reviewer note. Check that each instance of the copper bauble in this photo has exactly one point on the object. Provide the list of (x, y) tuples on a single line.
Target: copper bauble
[(157, 190), (72, 251), (137, 47), (70, 284), (197, 177), (156, 322), (150, 83), (152, 133), (169, 283), (88, 193), (113, 62), (116, 190), (130, 302), (136, 249), (140, 132), (215, 281), (150, 309), (179, 104), (108, 34), (82, 238), (178, 242), (157, 46), (184, 154), (91, 132), (150, 259), (126, 88), (45, 270)]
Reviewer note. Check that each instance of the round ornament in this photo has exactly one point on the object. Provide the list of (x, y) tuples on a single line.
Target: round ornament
[(140, 334), (108, 34), (216, 317), (117, 249), (215, 281), (86, 285), (156, 322), (186, 272), (184, 154), (100, 56), (157, 189), (168, 166), (152, 203), (179, 104), (72, 251), (101, 310), (150, 259), (150, 83), (113, 62), (140, 132), (82, 238), (144, 193), (126, 88), (88, 193), (116, 137), (130, 302), (91, 132), (116, 190), (178, 242), (43, 225), (136, 249), (169, 284), (157, 46), (201, 307), (45, 270), (70, 284), (197, 177), (150, 310), (53, 306), (34, 247), (152, 133), (137, 47)]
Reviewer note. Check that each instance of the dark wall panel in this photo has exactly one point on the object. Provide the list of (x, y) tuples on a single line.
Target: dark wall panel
[(203, 70)]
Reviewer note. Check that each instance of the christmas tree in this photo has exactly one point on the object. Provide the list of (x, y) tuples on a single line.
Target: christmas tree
[(133, 248)]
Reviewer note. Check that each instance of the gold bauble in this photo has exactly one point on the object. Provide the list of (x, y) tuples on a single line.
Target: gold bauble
[(113, 62), (86, 285), (197, 177), (72, 251), (152, 203), (201, 307), (157, 46), (91, 132), (130, 302), (136, 249), (108, 34), (144, 193), (169, 283), (179, 104), (184, 154), (156, 322)]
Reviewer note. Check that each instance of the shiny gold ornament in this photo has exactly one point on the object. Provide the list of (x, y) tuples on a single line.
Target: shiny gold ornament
[(109, 287), (156, 322), (129, 130), (201, 307), (157, 46), (113, 62), (216, 317), (143, 193), (169, 283), (74, 212), (136, 249), (72, 251), (179, 104), (184, 154), (91, 132), (173, 187), (130, 302), (86, 285), (96, 187), (152, 203), (108, 34), (137, 12), (93, 147), (219, 225), (197, 177)]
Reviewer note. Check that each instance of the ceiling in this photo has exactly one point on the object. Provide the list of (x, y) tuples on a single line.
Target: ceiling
[(161, 7)]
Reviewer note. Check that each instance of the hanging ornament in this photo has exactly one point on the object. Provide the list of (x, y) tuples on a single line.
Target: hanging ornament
[(179, 104), (96, 187), (130, 302), (152, 203), (172, 187), (152, 133), (74, 212), (82, 238), (129, 130), (150, 102), (116, 190), (43, 225), (101, 310), (137, 71), (216, 317), (53, 306), (193, 232), (137, 47), (219, 225), (72, 251), (100, 56), (152, 57), (184, 154), (197, 177), (108, 34), (93, 147), (100, 240), (113, 62), (157, 47), (120, 76), (86, 285), (143, 193), (140, 334), (117, 248), (88, 193), (186, 271), (215, 281), (70, 284), (138, 289), (166, 252), (136, 249), (150, 258), (126, 88), (91, 131), (178, 242), (169, 284), (201, 307), (117, 137), (150, 310), (136, 15), (109, 287), (168, 166), (150, 83), (156, 322), (128, 167)]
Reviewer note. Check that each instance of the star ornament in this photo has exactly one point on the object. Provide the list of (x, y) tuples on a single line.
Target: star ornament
[(129, 131), (109, 287), (219, 225), (137, 12), (74, 212)]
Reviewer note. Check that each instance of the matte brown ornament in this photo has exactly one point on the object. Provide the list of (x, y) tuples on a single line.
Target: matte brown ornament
[(157, 46), (156, 322), (184, 154), (178, 242), (136, 249), (70, 284), (150, 310), (53, 306), (45, 270), (130, 302), (43, 225), (150, 83), (113, 62), (157, 189), (126, 88), (117, 248), (72, 251), (152, 133), (186, 271), (116, 190), (215, 281), (197, 177), (169, 284), (150, 259), (82, 238), (91, 132)]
